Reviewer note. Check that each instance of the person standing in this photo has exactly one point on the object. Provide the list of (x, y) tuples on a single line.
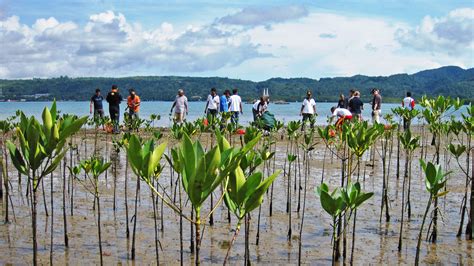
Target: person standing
[(348, 99), (96, 102), (180, 106), (133, 104), (114, 99), (356, 106), (235, 106), (224, 102), (376, 106), (213, 104), (407, 103), (342, 101), (308, 110)]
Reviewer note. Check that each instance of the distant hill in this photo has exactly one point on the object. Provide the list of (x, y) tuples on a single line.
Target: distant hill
[(449, 81)]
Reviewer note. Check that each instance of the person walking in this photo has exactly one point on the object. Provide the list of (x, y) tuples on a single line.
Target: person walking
[(376, 106), (114, 99), (96, 102), (180, 106), (356, 106), (407, 103), (308, 110), (235, 106), (213, 104), (224, 102)]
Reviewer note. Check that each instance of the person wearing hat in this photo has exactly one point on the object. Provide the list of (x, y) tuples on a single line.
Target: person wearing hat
[(308, 110), (180, 106), (114, 99), (376, 106)]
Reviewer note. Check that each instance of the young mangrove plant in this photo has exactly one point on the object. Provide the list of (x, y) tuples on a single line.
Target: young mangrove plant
[(145, 162), (434, 182), (41, 149), (243, 195), (93, 168), (410, 143), (435, 110), (333, 203), (353, 198)]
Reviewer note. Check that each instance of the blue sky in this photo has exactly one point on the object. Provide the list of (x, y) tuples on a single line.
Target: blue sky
[(239, 39)]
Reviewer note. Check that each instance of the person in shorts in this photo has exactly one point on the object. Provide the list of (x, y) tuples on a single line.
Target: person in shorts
[(180, 106)]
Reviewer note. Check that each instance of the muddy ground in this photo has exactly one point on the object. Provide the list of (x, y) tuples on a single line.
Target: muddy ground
[(376, 242)]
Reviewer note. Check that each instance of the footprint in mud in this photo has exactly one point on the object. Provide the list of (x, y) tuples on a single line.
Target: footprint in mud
[(224, 244)]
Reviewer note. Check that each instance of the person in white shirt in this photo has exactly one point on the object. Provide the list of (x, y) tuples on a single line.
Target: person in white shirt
[(342, 114), (260, 107), (235, 106), (213, 103), (308, 110), (407, 103), (180, 106)]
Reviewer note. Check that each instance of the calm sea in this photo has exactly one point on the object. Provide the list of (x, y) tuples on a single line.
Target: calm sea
[(283, 112)]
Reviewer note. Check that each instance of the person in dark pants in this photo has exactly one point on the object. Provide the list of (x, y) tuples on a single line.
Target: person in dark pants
[(114, 99), (96, 102), (407, 103), (356, 106)]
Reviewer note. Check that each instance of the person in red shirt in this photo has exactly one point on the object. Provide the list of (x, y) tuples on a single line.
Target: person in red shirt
[(133, 104)]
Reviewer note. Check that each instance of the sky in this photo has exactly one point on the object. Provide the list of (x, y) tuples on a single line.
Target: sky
[(252, 40)]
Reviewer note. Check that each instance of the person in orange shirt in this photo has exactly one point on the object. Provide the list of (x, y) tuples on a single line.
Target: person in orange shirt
[(133, 104)]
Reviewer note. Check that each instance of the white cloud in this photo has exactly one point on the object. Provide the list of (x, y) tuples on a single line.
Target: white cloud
[(109, 45), (254, 16), (452, 34), (316, 44)]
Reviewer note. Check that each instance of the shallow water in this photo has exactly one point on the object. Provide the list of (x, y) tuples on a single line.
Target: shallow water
[(376, 242)]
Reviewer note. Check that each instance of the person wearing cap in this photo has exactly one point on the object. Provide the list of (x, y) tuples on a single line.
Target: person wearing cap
[(114, 99), (96, 102), (408, 103), (180, 106), (235, 106), (213, 104), (376, 106), (308, 110)]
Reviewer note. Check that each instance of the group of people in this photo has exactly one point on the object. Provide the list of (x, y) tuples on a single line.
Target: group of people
[(114, 98), (351, 108), (348, 108)]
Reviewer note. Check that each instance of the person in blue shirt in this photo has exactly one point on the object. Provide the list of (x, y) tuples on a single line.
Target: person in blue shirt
[(224, 103), (96, 102)]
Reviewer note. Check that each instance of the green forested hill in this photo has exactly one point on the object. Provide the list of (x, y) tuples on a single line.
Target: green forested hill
[(450, 81)]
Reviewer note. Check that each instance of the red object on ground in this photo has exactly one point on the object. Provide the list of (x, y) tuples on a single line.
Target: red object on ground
[(388, 127), (240, 131), (205, 122), (332, 133)]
